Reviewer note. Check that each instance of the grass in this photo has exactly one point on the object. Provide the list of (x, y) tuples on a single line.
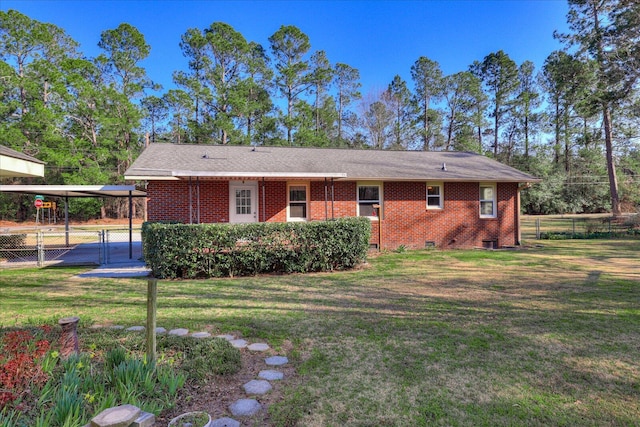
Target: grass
[(541, 336)]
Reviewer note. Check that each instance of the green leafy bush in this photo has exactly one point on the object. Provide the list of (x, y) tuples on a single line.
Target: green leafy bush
[(218, 250)]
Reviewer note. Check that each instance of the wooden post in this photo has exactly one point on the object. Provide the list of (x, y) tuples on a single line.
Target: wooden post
[(69, 338), (152, 293)]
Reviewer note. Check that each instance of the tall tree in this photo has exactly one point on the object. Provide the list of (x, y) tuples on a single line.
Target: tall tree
[(179, 107), (460, 93), (427, 80), (227, 69), (320, 79), (398, 98), (346, 80), (526, 103), (194, 47), (499, 74), (289, 46), (124, 49), (156, 110), (254, 98), (608, 32)]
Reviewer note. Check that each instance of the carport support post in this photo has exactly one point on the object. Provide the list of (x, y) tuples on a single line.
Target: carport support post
[(66, 221), (130, 225), (152, 306)]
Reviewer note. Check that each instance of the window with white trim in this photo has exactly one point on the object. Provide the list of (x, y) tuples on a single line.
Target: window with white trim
[(487, 200), (368, 196), (297, 203), (435, 195)]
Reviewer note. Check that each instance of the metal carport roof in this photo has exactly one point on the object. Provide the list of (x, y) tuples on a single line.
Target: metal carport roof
[(75, 190), (66, 191)]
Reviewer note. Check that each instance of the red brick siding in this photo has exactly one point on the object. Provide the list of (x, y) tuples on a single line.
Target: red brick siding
[(406, 220)]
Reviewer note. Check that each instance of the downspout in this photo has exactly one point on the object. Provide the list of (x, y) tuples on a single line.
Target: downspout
[(130, 225), (198, 199), (332, 200), (264, 203), (518, 229), (190, 203), (326, 200)]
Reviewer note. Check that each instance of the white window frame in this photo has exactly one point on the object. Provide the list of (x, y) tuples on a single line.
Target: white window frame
[(493, 200), (379, 201), (440, 196), (307, 189)]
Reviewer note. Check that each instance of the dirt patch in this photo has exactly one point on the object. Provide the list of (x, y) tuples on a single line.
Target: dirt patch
[(219, 392)]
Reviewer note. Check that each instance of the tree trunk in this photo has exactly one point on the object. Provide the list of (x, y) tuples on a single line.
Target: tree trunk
[(611, 166)]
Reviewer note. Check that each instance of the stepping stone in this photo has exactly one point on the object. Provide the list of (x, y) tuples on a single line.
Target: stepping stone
[(201, 335), (271, 375), (181, 332), (226, 337), (225, 422), (161, 330), (136, 329), (238, 343), (245, 407), (259, 346), (257, 387), (117, 327), (96, 326), (119, 416), (276, 360)]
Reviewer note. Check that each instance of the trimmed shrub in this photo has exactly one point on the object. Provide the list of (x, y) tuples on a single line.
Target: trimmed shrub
[(219, 250)]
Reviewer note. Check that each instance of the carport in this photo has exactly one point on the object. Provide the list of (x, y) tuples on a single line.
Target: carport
[(67, 191)]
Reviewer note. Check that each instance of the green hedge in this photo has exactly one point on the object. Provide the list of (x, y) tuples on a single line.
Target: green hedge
[(219, 250)]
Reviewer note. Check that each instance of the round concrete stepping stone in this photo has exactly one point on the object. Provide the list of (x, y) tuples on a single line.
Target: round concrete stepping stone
[(96, 326), (181, 332), (276, 360), (271, 375), (245, 407), (257, 387), (136, 329), (238, 343), (259, 346), (201, 335), (161, 330), (225, 422), (117, 327), (226, 337)]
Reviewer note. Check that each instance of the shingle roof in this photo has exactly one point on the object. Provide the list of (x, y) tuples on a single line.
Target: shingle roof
[(6, 151), (167, 161)]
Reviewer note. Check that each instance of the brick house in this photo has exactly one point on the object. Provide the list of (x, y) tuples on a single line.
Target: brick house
[(413, 198)]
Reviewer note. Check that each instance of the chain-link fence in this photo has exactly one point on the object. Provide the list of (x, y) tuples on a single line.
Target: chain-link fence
[(47, 247), (583, 227)]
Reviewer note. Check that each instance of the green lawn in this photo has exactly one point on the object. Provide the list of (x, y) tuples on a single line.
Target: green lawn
[(542, 336)]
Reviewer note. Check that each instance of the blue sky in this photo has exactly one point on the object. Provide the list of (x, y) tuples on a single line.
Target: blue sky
[(380, 38)]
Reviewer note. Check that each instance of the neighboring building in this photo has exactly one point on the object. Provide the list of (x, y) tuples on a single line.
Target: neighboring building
[(15, 164), (413, 198)]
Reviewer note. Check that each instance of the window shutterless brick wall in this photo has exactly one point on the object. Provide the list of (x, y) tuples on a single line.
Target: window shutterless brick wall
[(406, 219)]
